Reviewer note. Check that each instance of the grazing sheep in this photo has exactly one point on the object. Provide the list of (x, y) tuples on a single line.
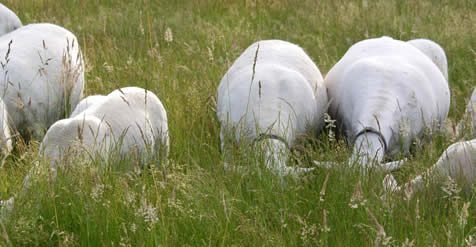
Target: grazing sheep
[(458, 162), (86, 103), (271, 94), (129, 119), (384, 93), (42, 76), (9, 21)]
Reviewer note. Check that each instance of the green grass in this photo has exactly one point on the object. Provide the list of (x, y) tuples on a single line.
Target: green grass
[(192, 201)]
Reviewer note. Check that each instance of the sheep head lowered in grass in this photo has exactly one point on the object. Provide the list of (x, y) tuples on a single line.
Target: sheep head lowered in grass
[(126, 120), (272, 94), (384, 93)]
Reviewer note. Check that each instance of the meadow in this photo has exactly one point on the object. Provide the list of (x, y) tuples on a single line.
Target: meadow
[(180, 50)]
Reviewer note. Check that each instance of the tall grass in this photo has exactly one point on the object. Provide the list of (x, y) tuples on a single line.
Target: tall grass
[(180, 50)]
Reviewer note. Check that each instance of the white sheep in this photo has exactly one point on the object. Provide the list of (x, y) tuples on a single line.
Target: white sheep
[(42, 76), (384, 93), (270, 95), (129, 119), (9, 21), (458, 162)]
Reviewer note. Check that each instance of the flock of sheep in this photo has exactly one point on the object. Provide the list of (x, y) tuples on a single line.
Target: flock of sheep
[(383, 93)]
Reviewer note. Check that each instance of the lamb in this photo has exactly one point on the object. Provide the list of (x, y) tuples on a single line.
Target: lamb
[(9, 21), (272, 94), (43, 76), (458, 162), (129, 119), (385, 93)]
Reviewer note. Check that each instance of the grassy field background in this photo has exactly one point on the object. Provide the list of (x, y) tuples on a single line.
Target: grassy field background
[(180, 50)]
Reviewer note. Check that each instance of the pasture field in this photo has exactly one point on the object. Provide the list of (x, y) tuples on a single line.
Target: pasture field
[(180, 49)]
